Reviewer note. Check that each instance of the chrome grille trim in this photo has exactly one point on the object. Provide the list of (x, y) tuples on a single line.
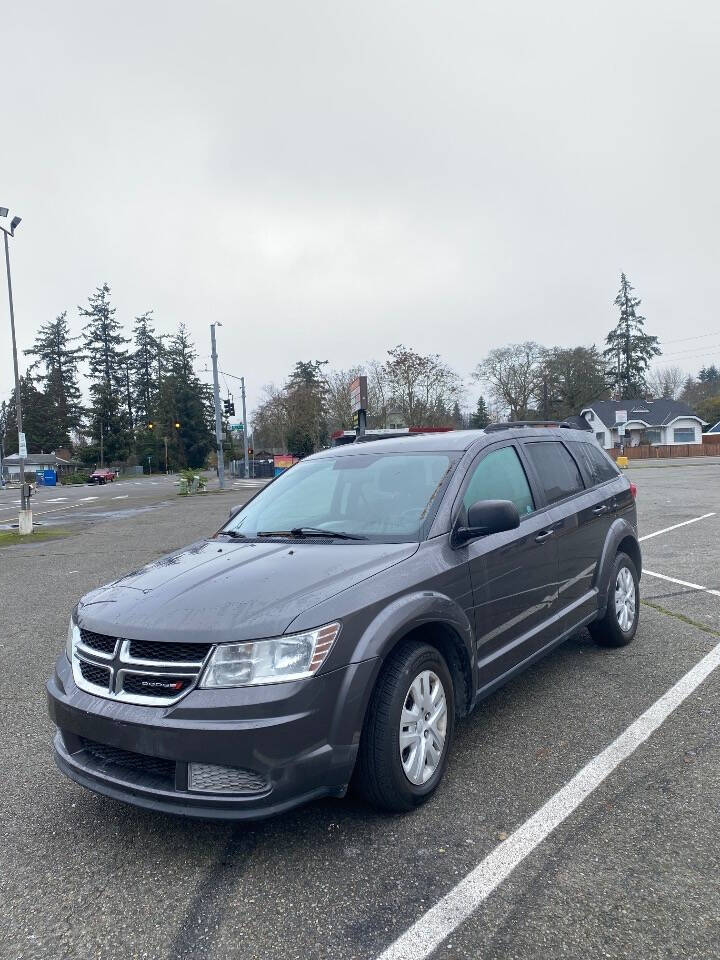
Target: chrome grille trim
[(121, 663)]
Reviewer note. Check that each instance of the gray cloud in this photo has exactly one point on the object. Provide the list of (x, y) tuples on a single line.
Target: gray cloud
[(329, 179)]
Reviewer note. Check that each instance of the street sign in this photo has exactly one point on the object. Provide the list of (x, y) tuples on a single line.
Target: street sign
[(359, 394), (621, 430), (237, 427), (22, 446), (621, 416)]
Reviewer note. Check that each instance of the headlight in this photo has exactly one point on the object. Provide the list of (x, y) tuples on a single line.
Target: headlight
[(73, 637), (293, 657)]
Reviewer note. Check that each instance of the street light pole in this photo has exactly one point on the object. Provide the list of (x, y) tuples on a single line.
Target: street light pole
[(218, 416), (245, 430), (25, 522)]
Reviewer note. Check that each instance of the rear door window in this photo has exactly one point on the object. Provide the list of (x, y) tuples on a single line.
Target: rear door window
[(557, 472), (500, 476)]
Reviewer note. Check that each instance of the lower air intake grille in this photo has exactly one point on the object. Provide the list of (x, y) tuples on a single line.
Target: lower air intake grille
[(139, 763), (94, 673), (212, 778)]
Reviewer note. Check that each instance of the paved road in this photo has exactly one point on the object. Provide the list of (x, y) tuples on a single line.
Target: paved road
[(78, 505), (632, 872)]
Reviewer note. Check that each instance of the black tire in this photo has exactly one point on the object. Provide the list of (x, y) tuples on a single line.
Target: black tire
[(379, 775), (608, 631)]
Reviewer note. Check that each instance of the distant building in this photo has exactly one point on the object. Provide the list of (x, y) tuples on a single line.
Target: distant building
[(644, 421), (37, 461)]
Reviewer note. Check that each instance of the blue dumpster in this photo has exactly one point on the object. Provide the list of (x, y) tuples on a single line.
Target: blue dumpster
[(49, 478)]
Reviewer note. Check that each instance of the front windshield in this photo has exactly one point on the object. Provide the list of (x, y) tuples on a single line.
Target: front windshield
[(388, 497)]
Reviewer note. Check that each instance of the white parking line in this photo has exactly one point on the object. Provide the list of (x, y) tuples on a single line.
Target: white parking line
[(649, 536), (682, 583), (83, 499), (427, 933), (123, 497)]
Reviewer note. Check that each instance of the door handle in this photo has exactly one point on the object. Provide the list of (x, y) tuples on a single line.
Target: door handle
[(601, 509), (545, 535)]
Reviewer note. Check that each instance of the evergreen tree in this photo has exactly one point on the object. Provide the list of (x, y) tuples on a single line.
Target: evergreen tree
[(59, 359), (39, 426), (481, 417), (182, 400), (144, 379), (106, 354), (457, 417), (629, 349)]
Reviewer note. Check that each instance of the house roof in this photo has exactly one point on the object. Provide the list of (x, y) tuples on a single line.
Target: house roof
[(655, 413), (41, 458), (715, 429)]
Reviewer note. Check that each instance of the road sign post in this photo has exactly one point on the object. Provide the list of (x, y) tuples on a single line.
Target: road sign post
[(359, 400)]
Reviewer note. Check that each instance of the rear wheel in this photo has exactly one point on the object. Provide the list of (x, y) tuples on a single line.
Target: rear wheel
[(618, 626), (408, 730)]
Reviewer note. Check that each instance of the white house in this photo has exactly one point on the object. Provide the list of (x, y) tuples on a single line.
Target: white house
[(642, 421)]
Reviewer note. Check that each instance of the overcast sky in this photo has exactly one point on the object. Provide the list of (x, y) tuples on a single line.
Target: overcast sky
[(328, 179)]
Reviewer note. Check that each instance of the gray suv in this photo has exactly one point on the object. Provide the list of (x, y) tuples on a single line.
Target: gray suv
[(341, 622)]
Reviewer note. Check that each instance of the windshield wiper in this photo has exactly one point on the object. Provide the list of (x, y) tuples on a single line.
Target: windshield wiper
[(311, 532), (235, 534)]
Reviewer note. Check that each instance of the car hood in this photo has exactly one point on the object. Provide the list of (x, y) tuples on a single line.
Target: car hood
[(218, 591)]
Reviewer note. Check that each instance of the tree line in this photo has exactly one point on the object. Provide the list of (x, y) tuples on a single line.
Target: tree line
[(143, 392), (519, 381)]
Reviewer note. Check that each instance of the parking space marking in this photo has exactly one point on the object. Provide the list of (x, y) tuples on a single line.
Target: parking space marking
[(123, 496), (427, 933), (649, 536), (682, 583)]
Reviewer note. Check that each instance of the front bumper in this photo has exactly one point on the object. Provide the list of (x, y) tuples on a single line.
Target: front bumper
[(299, 739)]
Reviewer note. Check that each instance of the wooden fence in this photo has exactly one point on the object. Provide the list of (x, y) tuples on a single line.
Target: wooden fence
[(664, 451)]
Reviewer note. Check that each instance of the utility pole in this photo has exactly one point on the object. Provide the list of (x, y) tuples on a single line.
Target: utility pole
[(166, 441), (218, 416), (245, 430), (25, 519), (102, 452)]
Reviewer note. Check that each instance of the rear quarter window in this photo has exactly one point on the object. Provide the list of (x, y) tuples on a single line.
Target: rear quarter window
[(597, 463)]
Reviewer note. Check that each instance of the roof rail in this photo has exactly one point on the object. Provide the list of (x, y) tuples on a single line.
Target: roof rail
[(519, 424)]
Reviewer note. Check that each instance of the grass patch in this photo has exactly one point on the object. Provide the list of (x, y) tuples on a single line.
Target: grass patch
[(9, 538), (681, 616)]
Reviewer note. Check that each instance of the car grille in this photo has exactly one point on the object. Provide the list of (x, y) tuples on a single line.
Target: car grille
[(135, 671), (105, 756), (172, 652), (98, 641), (213, 778), (95, 674)]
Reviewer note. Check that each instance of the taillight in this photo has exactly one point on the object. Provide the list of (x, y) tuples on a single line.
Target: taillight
[(633, 490)]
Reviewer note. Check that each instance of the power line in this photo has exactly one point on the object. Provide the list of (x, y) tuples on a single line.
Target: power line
[(699, 336)]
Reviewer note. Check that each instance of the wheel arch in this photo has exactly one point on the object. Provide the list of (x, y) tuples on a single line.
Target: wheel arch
[(621, 538), (432, 618)]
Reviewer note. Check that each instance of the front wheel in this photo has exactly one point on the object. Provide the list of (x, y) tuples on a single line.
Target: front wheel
[(618, 626), (408, 729)]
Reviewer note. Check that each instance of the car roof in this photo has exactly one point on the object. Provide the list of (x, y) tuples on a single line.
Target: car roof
[(448, 441)]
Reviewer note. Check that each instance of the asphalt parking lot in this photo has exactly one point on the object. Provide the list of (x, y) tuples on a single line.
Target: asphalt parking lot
[(632, 871)]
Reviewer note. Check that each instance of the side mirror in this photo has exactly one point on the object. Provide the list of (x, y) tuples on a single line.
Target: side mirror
[(485, 517), (234, 510)]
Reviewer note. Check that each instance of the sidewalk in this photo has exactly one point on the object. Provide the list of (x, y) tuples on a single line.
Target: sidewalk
[(674, 462)]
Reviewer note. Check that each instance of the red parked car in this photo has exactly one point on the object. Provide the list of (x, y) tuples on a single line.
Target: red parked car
[(103, 475)]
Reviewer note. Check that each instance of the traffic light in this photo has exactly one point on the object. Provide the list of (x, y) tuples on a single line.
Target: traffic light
[(177, 425), (229, 407), (250, 451), (150, 426)]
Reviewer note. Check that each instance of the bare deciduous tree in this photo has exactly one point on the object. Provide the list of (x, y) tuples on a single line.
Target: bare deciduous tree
[(667, 382), (513, 374)]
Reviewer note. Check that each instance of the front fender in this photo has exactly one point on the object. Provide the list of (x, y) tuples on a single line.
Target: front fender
[(404, 614), (619, 530)]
